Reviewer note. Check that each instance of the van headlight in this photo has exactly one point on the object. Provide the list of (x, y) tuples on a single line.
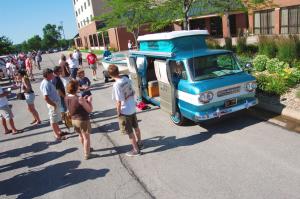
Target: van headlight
[(251, 86), (206, 97)]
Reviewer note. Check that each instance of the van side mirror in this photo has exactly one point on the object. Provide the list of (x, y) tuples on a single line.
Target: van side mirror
[(248, 65)]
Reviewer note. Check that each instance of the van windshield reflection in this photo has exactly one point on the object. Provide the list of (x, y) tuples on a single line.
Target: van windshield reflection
[(213, 66)]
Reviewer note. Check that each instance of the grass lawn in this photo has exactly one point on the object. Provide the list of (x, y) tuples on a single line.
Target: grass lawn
[(97, 52)]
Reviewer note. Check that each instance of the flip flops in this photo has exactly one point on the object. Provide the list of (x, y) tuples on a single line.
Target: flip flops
[(8, 132), (17, 132)]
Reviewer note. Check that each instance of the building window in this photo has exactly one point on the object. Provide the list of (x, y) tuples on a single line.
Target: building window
[(91, 17), (84, 5), (76, 14), (81, 24), (87, 19), (78, 25), (290, 20), (81, 8), (89, 3), (264, 22), (91, 40), (95, 39), (74, 2), (79, 11)]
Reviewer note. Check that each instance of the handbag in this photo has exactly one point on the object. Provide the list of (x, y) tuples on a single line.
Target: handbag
[(68, 120)]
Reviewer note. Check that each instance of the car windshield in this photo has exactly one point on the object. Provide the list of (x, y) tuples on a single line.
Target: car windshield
[(212, 66)]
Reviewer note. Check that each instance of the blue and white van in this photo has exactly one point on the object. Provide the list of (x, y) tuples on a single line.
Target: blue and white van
[(177, 72)]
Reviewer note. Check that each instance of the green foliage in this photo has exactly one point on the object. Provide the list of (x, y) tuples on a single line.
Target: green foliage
[(34, 43), (212, 43), (271, 84), (243, 60), (286, 49), (228, 43), (267, 46), (51, 36), (241, 46), (275, 65), (298, 94), (131, 14), (6, 46), (260, 62)]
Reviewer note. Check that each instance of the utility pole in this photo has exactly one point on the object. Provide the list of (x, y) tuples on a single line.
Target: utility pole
[(62, 29)]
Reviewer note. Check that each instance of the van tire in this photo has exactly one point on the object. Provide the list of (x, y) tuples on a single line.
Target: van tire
[(178, 119)]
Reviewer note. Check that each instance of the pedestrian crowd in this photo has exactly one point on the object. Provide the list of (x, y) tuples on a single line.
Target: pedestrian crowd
[(66, 91)]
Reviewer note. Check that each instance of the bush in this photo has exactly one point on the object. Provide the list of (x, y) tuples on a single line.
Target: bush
[(212, 43), (271, 84), (298, 94), (275, 65), (286, 49), (243, 59), (260, 62), (267, 46), (228, 43), (241, 45), (252, 49)]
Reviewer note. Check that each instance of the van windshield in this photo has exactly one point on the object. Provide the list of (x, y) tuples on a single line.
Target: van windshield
[(212, 66)]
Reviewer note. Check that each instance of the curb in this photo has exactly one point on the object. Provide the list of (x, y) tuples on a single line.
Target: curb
[(280, 109)]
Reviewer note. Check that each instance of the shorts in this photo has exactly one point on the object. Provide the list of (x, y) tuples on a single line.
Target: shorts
[(93, 66), (54, 114), (82, 126), (127, 123), (6, 113), (29, 98)]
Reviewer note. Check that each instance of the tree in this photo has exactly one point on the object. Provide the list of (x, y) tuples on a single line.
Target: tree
[(131, 14), (51, 36), (6, 46), (34, 43)]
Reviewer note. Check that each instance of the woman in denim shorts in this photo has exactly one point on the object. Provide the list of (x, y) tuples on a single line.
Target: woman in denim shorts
[(29, 96)]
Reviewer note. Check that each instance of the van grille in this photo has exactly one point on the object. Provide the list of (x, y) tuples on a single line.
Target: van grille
[(228, 91)]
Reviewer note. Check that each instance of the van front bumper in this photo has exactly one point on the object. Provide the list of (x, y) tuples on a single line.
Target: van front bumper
[(217, 113)]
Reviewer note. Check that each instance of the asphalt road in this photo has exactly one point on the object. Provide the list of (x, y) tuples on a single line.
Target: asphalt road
[(240, 156)]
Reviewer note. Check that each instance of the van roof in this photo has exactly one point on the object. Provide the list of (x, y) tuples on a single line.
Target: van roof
[(171, 35), (199, 53)]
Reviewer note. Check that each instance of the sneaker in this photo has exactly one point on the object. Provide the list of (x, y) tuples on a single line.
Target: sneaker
[(140, 145), (90, 156), (133, 153)]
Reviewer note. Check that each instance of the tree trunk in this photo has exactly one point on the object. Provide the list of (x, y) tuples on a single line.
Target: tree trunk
[(226, 14)]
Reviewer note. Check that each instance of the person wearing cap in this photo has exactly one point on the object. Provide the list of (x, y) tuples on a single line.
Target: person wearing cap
[(92, 61), (53, 102)]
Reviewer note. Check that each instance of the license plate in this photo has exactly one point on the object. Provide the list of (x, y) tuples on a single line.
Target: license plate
[(230, 102)]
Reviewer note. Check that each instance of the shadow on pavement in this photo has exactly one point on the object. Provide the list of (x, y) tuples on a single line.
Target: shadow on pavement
[(52, 178), (99, 86), (162, 143), (35, 160), (34, 148)]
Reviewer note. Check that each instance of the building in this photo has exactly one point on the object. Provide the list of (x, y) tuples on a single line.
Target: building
[(89, 34), (272, 18)]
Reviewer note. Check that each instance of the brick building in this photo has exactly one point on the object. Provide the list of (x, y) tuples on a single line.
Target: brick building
[(278, 17)]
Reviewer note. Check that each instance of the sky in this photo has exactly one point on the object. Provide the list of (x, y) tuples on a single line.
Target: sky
[(22, 19)]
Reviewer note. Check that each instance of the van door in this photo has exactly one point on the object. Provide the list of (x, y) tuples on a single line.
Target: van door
[(135, 77), (166, 87)]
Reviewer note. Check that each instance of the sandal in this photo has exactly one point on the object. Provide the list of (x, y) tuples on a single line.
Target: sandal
[(8, 132), (63, 133), (60, 138), (17, 132), (34, 121)]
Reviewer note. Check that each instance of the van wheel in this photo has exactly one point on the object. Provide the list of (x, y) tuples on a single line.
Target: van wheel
[(178, 119)]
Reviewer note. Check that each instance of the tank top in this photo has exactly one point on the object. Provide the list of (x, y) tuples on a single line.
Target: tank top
[(76, 110)]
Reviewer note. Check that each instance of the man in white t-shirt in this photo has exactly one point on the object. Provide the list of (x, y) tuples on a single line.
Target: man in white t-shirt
[(6, 114), (123, 94), (73, 65)]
